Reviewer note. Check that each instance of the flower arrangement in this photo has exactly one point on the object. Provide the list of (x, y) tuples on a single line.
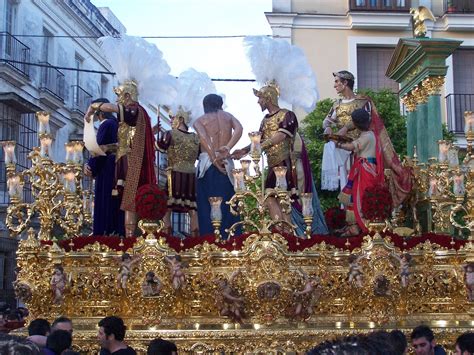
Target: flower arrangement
[(377, 203), (151, 202), (335, 218)]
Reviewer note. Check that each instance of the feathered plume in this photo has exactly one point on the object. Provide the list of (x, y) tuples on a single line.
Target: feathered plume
[(275, 59), (133, 58), (192, 87)]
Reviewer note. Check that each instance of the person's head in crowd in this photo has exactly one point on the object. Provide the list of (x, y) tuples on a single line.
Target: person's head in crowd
[(374, 344), (381, 342), (465, 344), (399, 341), (62, 323), (15, 345), (162, 347), (422, 340), (111, 331), (58, 341), (39, 326)]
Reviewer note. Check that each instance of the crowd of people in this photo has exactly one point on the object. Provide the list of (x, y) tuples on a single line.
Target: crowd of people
[(57, 339)]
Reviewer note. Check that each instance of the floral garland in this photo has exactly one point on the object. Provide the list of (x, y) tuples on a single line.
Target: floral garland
[(335, 218), (377, 203), (151, 202)]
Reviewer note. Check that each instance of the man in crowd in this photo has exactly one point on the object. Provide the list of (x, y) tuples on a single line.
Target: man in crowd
[(424, 343), (38, 330), (135, 157), (62, 323), (218, 132), (108, 218), (465, 344), (111, 336)]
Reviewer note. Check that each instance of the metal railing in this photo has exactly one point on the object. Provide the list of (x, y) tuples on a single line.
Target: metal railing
[(14, 53), (81, 99), (456, 104), (52, 80), (380, 5), (459, 6)]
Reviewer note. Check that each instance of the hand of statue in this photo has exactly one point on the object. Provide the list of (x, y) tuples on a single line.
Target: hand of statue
[(89, 114), (219, 164), (87, 170), (223, 151), (238, 154)]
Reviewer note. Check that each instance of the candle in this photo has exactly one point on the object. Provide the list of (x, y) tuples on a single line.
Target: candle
[(307, 204), (280, 173), (255, 146), (14, 186), (45, 141), (78, 147), (9, 151), (239, 184), (458, 184), (69, 181), (453, 157), (70, 152), (216, 213), (468, 122), (443, 151), (43, 120), (245, 166), (433, 191)]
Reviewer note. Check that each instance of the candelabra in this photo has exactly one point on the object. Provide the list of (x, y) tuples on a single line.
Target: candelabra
[(56, 187), (251, 199)]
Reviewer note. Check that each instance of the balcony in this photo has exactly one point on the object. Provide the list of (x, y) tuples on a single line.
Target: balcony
[(52, 86), (459, 6), (380, 5), (456, 104), (81, 99), (14, 59)]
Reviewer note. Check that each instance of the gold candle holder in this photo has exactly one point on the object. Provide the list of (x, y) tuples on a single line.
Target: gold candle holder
[(43, 122)]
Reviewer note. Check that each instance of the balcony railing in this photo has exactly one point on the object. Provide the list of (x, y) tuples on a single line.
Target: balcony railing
[(52, 80), (459, 6), (81, 99), (14, 53), (456, 104), (380, 5)]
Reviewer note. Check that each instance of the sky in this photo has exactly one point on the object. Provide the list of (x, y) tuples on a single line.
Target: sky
[(219, 58)]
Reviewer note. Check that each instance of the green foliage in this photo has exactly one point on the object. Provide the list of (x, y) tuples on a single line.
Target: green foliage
[(388, 107), (448, 136)]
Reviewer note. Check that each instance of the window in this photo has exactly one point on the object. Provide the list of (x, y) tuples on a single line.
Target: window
[(47, 45), (372, 63), (181, 223), (104, 86)]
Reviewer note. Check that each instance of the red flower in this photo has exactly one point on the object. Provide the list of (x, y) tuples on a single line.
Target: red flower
[(151, 202), (335, 218), (377, 203)]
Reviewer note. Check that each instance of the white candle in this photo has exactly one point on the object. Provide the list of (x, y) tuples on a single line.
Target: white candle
[(69, 181), (70, 153), (255, 146), (45, 141), (245, 166), (458, 184), (78, 148), (9, 151), (307, 204), (14, 186), (433, 191), (453, 156), (443, 151), (280, 173), (43, 120), (216, 213), (468, 122), (239, 184)]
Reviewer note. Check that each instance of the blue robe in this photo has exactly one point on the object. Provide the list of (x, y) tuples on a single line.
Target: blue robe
[(108, 218)]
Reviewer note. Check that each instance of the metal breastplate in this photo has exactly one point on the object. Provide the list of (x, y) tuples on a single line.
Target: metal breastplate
[(183, 151), (344, 111), (277, 152), (125, 138)]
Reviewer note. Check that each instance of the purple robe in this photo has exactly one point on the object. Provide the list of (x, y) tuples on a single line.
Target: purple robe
[(108, 218)]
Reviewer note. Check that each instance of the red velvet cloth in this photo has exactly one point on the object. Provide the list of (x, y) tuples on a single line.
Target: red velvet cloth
[(294, 243)]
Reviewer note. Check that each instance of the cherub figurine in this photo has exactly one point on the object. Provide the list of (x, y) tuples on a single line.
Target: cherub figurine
[(404, 260), (178, 278), (126, 270), (307, 298), (228, 300), (152, 285), (355, 270), (58, 284), (469, 280)]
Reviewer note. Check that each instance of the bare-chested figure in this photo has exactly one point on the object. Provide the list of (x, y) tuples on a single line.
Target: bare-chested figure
[(218, 132)]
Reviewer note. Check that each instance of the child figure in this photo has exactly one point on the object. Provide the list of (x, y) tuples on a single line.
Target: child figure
[(307, 298), (355, 271), (58, 284), (228, 300), (404, 269), (469, 280), (176, 270), (152, 285), (126, 270)]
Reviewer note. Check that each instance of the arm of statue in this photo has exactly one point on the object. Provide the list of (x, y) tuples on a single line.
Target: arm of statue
[(240, 153), (237, 130), (102, 106), (204, 139)]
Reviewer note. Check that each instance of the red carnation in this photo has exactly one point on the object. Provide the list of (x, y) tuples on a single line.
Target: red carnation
[(377, 203), (151, 202)]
